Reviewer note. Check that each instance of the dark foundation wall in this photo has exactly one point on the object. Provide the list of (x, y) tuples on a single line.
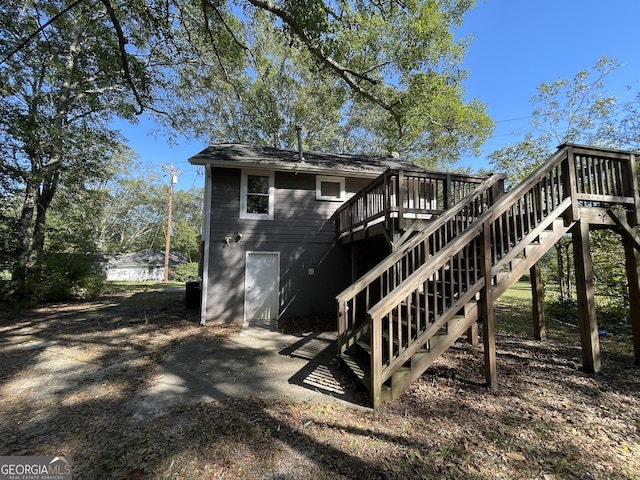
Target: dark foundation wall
[(367, 254)]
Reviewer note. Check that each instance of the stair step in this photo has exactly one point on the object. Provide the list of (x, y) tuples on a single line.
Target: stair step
[(360, 369), (357, 367), (363, 346)]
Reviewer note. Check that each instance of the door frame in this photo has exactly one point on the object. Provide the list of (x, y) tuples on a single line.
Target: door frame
[(246, 278)]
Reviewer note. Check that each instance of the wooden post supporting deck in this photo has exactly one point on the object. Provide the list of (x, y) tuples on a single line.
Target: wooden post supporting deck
[(472, 334), (486, 311), (631, 243), (632, 257), (537, 290), (586, 302), (354, 262)]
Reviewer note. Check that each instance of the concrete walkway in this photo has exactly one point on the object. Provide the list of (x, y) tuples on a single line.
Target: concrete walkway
[(260, 362)]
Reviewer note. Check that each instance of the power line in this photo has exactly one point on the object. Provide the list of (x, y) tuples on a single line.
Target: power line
[(512, 119)]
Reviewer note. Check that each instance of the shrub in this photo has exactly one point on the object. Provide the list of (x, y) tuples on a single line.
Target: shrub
[(65, 276), (187, 272), (612, 316)]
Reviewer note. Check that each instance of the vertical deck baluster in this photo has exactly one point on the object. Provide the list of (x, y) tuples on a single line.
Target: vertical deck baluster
[(607, 177), (599, 176), (621, 180), (588, 159), (526, 228), (592, 175), (517, 221), (418, 313), (390, 336), (525, 213), (585, 174), (442, 288), (584, 187), (554, 187)]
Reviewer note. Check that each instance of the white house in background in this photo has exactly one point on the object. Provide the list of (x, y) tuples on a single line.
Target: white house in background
[(143, 266)]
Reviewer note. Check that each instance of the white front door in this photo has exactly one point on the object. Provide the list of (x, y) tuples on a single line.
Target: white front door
[(261, 286)]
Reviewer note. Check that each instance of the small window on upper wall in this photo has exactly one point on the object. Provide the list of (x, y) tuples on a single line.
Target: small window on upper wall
[(257, 192), (330, 188)]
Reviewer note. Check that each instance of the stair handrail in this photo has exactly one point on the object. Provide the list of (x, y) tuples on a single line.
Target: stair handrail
[(488, 216), (392, 260), (560, 195), (379, 372)]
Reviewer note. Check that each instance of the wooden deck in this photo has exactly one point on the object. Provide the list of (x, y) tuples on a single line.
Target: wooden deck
[(398, 318), (400, 200)]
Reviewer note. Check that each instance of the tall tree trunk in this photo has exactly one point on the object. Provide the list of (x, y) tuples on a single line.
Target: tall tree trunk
[(46, 164), (31, 195), (40, 226), (569, 280)]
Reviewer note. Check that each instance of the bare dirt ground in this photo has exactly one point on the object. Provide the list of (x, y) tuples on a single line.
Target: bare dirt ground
[(69, 371)]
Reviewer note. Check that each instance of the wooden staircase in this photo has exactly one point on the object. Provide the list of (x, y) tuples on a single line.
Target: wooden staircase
[(397, 319)]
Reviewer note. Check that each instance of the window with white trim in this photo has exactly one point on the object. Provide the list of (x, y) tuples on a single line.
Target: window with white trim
[(257, 192), (330, 188)]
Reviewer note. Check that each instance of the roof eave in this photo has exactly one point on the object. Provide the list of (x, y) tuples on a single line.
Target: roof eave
[(295, 168)]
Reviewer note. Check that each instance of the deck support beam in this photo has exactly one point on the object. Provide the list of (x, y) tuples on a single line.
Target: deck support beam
[(632, 258), (472, 334), (631, 243), (487, 312), (537, 291), (587, 319), (354, 262)]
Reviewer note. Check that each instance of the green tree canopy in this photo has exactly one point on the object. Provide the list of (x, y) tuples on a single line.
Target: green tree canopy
[(241, 70), (576, 110), (389, 72)]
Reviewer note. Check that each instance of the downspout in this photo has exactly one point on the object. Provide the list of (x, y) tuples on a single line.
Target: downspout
[(206, 237)]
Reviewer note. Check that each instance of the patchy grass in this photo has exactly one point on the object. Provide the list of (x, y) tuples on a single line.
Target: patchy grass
[(69, 372), (513, 310)]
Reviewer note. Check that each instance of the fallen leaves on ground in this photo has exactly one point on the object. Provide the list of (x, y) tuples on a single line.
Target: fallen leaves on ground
[(548, 419)]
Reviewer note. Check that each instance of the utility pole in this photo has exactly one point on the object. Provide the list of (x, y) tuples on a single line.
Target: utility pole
[(173, 178)]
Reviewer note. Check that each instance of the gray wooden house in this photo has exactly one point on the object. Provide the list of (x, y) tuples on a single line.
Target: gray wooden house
[(273, 247), (410, 260)]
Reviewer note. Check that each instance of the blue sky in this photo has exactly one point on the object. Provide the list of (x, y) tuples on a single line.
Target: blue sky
[(517, 45)]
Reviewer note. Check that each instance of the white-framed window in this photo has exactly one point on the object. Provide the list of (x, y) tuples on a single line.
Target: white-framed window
[(330, 188), (257, 193)]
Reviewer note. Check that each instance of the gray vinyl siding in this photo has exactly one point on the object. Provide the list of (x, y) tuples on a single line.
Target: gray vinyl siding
[(302, 231)]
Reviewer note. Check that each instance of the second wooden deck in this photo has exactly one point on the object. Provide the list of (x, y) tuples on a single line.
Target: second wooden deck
[(398, 200)]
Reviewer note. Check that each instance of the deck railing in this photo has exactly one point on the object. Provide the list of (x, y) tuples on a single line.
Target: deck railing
[(566, 186), (399, 195), (355, 301)]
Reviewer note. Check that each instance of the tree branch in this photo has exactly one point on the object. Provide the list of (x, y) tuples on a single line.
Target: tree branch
[(122, 41), (342, 71), (39, 30), (204, 5), (236, 40)]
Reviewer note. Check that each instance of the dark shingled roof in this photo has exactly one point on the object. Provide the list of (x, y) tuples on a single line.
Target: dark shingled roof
[(238, 155), (146, 257)]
